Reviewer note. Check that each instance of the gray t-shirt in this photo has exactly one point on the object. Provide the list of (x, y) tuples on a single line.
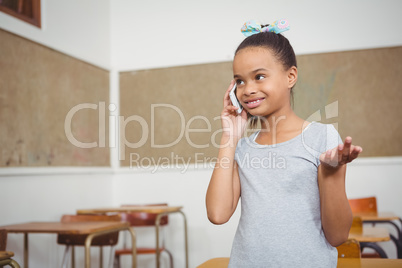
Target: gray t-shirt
[(280, 222)]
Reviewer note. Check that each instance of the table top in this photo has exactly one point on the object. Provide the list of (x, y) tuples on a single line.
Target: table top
[(379, 216), (370, 234), (128, 209), (342, 263), (368, 263), (64, 227)]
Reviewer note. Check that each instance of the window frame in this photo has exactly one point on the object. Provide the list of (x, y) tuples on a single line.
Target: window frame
[(36, 13)]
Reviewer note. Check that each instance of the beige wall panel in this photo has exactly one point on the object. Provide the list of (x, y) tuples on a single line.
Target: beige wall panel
[(38, 88), (190, 97), (367, 86)]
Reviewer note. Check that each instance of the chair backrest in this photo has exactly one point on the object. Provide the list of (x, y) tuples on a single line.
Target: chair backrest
[(144, 218), (3, 239), (349, 249), (363, 205), (357, 225), (79, 240)]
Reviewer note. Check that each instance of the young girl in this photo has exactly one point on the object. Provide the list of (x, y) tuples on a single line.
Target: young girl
[(290, 175)]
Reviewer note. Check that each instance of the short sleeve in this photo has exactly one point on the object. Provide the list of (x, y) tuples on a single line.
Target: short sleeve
[(332, 139), (320, 138)]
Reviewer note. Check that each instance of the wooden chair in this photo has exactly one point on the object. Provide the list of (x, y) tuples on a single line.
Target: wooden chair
[(215, 263), (366, 205), (363, 205), (349, 249), (142, 219), (79, 240), (5, 256)]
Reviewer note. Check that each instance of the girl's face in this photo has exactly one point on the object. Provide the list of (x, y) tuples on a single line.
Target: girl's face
[(263, 84)]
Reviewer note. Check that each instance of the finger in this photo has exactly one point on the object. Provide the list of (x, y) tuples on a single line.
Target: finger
[(230, 109), (226, 98), (356, 150), (340, 149), (346, 150), (329, 158)]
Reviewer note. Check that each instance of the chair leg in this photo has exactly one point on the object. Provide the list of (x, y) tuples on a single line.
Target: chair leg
[(116, 262), (100, 257), (65, 257), (170, 257), (72, 257), (111, 259), (14, 264), (374, 246)]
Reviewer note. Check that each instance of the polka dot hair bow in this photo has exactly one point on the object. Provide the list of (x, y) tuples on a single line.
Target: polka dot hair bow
[(252, 27)]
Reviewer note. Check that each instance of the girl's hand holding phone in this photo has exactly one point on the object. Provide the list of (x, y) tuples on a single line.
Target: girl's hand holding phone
[(233, 124)]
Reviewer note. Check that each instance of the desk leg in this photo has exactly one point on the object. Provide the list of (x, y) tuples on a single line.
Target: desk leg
[(26, 250), (133, 247), (157, 224), (185, 236)]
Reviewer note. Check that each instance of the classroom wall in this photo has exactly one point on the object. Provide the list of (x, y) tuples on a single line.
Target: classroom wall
[(116, 39), (179, 32)]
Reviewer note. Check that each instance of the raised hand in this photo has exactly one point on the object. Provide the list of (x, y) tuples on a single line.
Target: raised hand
[(233, 124), (340, 155)]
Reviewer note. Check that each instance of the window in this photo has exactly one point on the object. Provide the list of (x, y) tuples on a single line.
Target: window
[(26, 10)]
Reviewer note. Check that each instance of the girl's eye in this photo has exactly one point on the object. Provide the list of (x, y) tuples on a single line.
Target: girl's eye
[(259, 77), (239, 82)]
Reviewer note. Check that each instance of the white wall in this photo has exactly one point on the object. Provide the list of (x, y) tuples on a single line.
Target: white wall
[(77, 28), (152, 34), (38, 194), (127, 35)]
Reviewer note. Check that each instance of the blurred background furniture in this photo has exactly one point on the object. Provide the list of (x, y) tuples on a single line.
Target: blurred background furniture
[(143, 219), (6, 256), (161, 211), (369, 236), (366, 209), (342, 263), (72, 240), (349, 249), (91, 229), (215, 263)]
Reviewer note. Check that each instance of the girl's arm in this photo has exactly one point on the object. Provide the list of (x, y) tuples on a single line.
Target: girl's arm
[(224, 187), (336, 215)]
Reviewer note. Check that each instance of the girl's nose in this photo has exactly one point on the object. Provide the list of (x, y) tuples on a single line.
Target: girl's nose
[(249, 90)]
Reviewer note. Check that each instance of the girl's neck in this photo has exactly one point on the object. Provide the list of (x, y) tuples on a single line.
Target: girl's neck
[(278, 128), (284, 121)]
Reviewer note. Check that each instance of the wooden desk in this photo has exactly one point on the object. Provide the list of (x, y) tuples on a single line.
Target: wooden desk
[(385, 217), (369, 263), (370, 234), (377, 217), (215, 263), (160, 210), (342, 263), (92, 229)]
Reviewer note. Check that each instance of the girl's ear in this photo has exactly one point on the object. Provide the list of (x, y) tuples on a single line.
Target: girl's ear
[(292, 76)]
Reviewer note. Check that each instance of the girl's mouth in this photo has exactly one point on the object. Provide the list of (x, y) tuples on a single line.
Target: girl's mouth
[(254, 103)]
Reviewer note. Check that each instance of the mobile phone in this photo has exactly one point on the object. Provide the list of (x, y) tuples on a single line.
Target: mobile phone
[(234, 99)]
